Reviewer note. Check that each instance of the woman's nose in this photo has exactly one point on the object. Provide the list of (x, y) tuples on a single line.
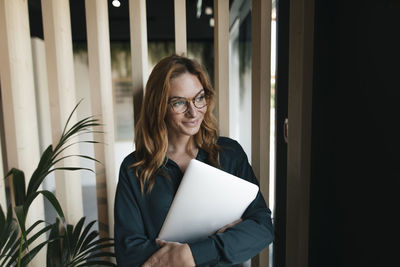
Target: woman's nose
[(192, 110)]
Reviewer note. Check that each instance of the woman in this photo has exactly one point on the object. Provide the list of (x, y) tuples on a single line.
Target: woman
[(176, 124)]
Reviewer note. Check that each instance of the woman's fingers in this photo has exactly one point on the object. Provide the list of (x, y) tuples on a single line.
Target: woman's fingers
[(161, 242), (171, 254), (155, 259), (223, 229)]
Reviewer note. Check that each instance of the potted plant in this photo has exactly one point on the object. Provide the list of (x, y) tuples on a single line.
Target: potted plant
[(68, 245)]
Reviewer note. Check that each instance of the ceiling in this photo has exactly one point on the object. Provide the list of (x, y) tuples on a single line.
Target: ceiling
[(160, 20)]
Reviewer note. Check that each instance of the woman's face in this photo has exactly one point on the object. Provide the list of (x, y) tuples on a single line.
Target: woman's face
[(183, 87)]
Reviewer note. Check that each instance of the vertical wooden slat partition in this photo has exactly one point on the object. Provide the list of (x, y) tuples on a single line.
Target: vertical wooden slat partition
[(299, 135), (180, 27), (139, 55), (3, 202), (102, 105), (18, 96), (221, 48), (3, 196), (261, 95), (61, 82), (42, 92)]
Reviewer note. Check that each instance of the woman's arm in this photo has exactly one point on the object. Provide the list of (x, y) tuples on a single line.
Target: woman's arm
[(132, 246), (171, 254), (245, 239), (238, 243)]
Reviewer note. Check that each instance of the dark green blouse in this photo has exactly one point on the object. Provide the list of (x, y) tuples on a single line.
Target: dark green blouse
[(138, 218)]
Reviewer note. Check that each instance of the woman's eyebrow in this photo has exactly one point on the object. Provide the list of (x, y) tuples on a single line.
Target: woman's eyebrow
[(176, 97), (185, 97)]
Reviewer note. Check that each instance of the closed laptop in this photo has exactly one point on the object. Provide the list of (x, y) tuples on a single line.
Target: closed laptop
[(207, 199)]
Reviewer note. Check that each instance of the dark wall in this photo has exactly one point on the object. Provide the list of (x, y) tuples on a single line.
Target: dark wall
[(281, 106), (355, 172)]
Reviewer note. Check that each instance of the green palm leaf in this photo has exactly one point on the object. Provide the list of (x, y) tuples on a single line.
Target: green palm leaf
[(70, 245), (11, 243), (84, 234), (79, 245), (75, 236), (18, 179), (26, 242), (24, 245), (8, 236), (38, 175), (54, 248)]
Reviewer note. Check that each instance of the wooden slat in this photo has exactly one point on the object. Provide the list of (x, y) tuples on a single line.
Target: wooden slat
[(3, 202), (61, 82), (42, 92), (261, 94), (102, 105), (299, 134), (221, 51), (18, 96), (3, 157), (139, 51), (180, 27)]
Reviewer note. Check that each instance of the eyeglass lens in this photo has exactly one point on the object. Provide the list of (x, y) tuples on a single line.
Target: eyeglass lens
[(181, 104)]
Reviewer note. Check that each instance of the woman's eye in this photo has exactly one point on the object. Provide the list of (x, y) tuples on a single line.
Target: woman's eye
[(178, 103), (199, 98)]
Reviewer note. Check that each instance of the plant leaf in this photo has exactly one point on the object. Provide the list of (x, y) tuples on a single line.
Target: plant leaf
[(84, 234), (43, 166), (76, 239), (54, 248), (11, 241), (8, 236), (98, 244), (76, 128), (99, 248), (80, 156), (72, 169), (70, 115), (32, 253), (21, 218), (18, 179), (36, 236), (93, 256), (14, 251), (91, 236), (16, 245), (54, 202), (68, 146), (76, 235)]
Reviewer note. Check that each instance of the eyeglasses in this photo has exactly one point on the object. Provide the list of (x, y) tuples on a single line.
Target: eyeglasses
[(181, 104)]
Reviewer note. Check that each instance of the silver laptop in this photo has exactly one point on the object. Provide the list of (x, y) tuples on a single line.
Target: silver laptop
[(207, 199)]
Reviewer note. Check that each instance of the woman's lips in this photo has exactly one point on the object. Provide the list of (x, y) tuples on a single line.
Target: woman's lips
[(190, 123)]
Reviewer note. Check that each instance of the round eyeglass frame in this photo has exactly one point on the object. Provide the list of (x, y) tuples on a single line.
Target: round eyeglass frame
[(188, 100)]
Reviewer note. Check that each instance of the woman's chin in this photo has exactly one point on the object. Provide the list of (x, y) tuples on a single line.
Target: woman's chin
[(191, 130)]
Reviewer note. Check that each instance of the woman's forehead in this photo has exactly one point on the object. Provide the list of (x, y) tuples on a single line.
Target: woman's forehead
[(185, 85)]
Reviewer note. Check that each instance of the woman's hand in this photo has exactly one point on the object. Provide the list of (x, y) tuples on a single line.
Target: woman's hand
[(177, 254), (223, 229), (171, 254)]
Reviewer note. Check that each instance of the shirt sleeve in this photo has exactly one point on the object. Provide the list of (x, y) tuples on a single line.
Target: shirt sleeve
[(244, 240), (132, 246)]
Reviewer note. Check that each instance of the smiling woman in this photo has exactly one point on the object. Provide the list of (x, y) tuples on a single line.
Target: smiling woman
[(172, 77), (176, 124), (184, 118)]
